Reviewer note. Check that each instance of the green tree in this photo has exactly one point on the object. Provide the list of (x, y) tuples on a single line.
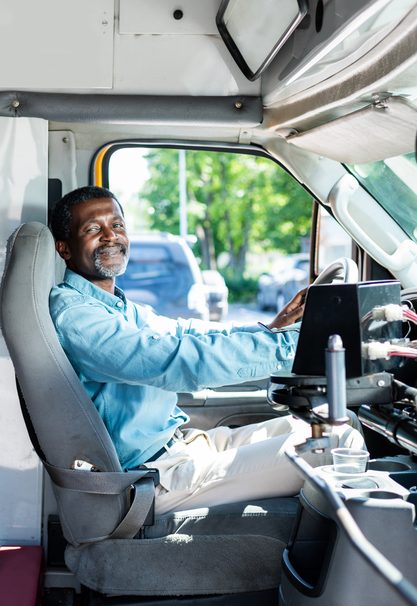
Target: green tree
[(236, 203)]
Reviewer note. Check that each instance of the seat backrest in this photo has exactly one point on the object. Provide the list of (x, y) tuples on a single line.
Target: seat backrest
[(62, 421)]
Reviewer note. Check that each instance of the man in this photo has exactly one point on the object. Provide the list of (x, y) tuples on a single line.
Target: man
[(133, 362)]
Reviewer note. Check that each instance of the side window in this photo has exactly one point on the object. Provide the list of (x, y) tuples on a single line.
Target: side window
[(236, 228), (333, 241)]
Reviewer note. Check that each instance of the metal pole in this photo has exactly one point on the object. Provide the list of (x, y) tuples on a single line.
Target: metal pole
[(182, 183), (336, 380)]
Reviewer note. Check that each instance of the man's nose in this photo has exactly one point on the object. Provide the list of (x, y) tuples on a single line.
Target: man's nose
[(108, 233)]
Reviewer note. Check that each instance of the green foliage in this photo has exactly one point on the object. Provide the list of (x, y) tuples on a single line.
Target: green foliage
[(241, 288), (236, 204)]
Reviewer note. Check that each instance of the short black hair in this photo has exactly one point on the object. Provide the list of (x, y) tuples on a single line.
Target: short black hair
[(61, 218)]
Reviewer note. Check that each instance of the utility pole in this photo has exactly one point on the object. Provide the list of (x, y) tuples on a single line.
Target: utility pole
[(182, 183)]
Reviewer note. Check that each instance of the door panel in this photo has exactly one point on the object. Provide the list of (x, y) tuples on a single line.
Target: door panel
[(233, 405)]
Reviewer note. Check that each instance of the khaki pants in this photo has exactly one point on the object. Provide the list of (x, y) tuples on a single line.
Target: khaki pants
[(226, 465)]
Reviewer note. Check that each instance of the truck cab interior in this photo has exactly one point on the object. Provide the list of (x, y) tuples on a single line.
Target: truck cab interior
[(323, 90)]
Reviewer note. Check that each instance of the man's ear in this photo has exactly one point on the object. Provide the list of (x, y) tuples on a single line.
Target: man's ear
[(63, 249)]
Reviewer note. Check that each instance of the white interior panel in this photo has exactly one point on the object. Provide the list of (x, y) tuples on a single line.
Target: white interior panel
[(65, 51), (151, 16), (23, 197), (189, 65), (62, 159)]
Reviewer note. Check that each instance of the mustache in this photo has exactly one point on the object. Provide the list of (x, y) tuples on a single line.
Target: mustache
[(109, 248)]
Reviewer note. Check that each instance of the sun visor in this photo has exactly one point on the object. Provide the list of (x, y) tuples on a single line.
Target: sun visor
[(384, 129)]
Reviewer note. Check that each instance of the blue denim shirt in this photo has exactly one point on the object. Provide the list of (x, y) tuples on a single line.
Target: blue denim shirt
[(132, 362)]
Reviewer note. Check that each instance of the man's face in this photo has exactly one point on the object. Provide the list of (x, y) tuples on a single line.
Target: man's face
[(98, 248)]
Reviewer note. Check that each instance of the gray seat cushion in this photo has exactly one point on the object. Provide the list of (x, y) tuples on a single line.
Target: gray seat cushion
[(178, 565), (225, 549), (268, 517)]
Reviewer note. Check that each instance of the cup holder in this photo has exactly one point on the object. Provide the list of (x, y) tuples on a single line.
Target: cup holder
[(379, 494), (356, 483), (386, 465)]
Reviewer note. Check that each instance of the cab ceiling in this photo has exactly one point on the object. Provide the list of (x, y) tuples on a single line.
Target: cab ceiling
[(118, 47), (128, 66)]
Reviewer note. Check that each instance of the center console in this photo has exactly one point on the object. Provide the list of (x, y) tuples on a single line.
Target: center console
[(353, 351), (321, 567)]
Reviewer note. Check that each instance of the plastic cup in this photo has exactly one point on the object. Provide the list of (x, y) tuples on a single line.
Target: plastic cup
[(349, 460)]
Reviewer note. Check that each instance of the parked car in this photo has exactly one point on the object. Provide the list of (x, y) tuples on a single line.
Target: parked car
[(289, 276), (163, 272), (217, 294)]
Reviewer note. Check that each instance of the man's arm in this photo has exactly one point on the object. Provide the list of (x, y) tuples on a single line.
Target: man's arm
[(290, 314), (105, 347)]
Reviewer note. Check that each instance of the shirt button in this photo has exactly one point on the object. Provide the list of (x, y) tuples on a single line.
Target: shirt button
[(119, 304)]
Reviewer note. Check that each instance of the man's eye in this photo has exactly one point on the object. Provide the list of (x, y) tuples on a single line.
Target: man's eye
[(92, 228), (119, 225)]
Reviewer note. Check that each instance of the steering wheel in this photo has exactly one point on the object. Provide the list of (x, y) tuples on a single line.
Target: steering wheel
[(343, 270)]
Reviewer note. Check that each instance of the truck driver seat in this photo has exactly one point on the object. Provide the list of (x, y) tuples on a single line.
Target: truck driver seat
[(113, 545)]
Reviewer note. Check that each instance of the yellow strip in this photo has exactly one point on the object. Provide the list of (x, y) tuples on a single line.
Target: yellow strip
[(98, 166)]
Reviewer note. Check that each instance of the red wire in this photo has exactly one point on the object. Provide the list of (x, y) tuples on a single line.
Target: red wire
[(410, 315)]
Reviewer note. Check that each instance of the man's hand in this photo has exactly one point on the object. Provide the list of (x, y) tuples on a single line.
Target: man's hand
[(292, 311)]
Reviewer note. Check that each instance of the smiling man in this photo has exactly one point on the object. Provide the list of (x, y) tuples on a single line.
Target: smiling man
[(92, 239), (132, 363)]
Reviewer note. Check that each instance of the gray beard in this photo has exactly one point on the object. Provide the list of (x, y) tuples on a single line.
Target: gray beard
[(109, 271)]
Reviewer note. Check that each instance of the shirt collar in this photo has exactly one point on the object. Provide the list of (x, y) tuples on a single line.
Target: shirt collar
[(88, 288)]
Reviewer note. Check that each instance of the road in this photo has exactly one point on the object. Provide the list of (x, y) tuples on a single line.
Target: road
[(248, 313)]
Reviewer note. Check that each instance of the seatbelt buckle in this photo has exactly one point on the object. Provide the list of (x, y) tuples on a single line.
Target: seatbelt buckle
[(81, 465)]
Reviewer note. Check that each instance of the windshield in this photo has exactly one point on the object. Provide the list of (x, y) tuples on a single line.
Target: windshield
[(393, 183)]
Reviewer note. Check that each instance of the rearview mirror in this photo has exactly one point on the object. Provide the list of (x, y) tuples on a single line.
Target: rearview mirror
[(255, 31)]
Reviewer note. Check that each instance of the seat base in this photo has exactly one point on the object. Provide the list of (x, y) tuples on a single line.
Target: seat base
[(267, 597), (220, 550), (178, 565)]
